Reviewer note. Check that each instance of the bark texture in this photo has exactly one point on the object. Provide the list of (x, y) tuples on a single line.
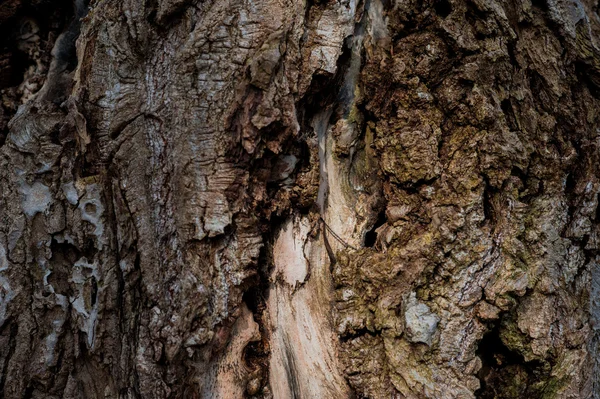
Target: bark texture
[(299, 199)]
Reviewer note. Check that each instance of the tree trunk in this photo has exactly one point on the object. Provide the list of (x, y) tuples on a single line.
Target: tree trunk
[(299, 199)]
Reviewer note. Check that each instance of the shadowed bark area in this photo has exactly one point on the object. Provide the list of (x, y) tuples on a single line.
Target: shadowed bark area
[(299, 199)]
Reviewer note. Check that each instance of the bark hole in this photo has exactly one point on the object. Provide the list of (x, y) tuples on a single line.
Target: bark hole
[(443, 8), (509, 114), (504, 373), (570, 183), (488, 206), (64, 255), (371, 235), (28, 392), (14, 65)]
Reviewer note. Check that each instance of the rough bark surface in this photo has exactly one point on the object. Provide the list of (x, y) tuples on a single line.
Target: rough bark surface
[(299, 199)]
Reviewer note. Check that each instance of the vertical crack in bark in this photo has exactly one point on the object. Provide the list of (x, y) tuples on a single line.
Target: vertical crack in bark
[(304, 350)]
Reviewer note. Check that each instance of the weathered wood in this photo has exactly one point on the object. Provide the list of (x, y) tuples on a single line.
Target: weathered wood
[(299, 199)]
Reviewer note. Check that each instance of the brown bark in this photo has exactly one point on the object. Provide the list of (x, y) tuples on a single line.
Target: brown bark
[(299, 199)]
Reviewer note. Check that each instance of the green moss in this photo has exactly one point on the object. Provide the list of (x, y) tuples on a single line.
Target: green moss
[(551, 388), (354, 116), (513, 338)]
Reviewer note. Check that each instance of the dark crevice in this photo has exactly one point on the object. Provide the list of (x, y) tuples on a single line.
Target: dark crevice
[(488, 205), (518, 172), (58, 370), (254, 297), (28, 31), (505, 374), (14, 67), (112, 210), (541, 4), (12, 343), (371, 235), (443, 8), (597, 213), (28, 394), (93, 291), (152, 11), (414, 187), (55, 137), (66, 54), (570, 192), (64, 255), (256, 354), (88, 164), (325, 88), (509, 114), (359, 333), (511, 47), (588, 75)]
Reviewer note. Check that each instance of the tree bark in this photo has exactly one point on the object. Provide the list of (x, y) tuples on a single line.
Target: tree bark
[(299, 199)]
